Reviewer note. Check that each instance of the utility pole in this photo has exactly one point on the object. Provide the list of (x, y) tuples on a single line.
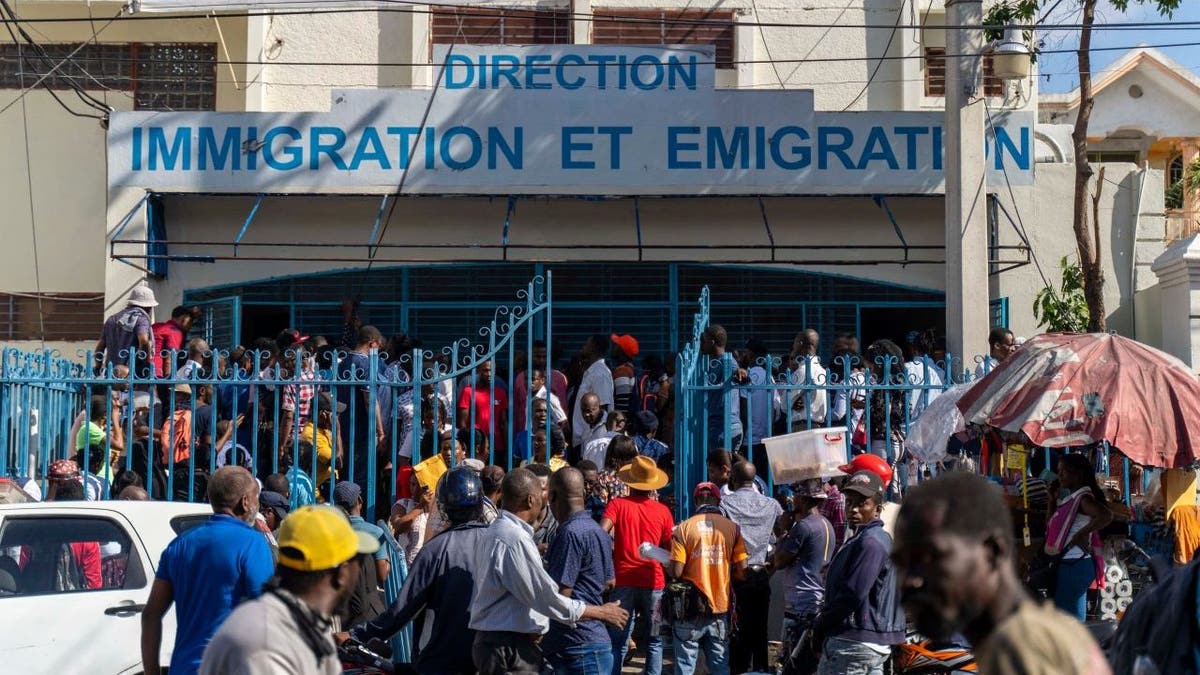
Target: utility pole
[(967, 292)]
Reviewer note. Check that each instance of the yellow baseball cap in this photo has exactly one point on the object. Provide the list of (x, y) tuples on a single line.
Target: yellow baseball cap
[(313, 538)]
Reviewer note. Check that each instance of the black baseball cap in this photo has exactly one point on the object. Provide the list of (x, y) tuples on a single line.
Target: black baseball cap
[(865, 483)]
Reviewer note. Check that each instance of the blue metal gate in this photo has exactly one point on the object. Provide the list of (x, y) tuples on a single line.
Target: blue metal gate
[(714, 394), (268, 403)]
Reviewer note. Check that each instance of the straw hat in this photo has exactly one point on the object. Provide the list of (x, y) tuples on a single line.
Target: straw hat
[(643, 474)]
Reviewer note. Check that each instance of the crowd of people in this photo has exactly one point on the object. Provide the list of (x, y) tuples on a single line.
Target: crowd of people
[(567, 552), (487, 595)]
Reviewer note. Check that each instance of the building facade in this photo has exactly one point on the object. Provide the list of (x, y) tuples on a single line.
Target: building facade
[(855, 246), (1146, 112)]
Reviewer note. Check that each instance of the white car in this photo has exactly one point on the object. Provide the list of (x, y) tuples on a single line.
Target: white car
[(74, 578)]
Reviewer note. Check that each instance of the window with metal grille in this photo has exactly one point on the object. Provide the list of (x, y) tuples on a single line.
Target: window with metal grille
[(1112, 156), (160, 76), (59, 316), (935, 74), (478, 26), (667, 27)]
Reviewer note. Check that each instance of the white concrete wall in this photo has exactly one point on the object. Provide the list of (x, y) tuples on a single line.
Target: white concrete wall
[(66, 160), (1166, 108), (1047, 214)]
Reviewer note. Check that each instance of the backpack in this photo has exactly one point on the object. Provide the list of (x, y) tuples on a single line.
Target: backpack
[(365, 602), (644, 395), (1161, 624)]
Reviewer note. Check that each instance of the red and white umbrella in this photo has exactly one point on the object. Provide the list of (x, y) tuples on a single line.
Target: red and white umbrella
[(1065, 390)]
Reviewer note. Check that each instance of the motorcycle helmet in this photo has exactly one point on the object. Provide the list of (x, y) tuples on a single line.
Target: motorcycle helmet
[(869, 462), (460, 495)]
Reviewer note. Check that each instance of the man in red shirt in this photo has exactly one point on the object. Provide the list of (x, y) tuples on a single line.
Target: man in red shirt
[(633, 520), (480, 395), (169, 335)]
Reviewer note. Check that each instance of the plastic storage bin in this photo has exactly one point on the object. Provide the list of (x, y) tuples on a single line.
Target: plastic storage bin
[(814, 453)]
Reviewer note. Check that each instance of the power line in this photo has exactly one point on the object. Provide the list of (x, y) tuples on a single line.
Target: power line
[(879, 64), (437, 84), (762, 34), (26, 89), (575, 64), (1017, 208), (416, 7), (84, 97)]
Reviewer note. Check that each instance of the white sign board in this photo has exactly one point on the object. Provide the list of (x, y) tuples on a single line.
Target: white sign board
[(547, 120)]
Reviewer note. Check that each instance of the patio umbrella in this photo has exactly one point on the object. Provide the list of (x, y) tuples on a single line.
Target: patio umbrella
[(929, 433), (1067, 390)]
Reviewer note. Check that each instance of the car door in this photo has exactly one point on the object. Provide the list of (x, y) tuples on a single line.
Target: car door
[(72, 587)]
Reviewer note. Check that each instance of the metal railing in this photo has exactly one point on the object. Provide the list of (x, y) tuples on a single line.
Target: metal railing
[(380, 408), (878, 394)]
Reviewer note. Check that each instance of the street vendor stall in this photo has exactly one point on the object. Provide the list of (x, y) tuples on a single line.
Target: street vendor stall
[(1093, 394)]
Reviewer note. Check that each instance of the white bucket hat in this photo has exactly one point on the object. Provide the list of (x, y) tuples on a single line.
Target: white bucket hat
[(142, 296)]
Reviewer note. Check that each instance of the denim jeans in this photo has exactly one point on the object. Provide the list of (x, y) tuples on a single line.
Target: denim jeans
[(582, 660), (847, 657), (710, 634), (1074, 578), (793, 656), (642, 602)]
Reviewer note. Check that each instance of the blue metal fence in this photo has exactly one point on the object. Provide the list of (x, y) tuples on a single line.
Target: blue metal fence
[(176, 429), (879, 393)]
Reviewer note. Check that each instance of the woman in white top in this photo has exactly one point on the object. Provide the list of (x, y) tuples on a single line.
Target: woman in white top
[(1072, 531)]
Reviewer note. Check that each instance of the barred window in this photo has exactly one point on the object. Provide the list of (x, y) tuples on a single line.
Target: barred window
[(161, 76), (935, 74), (478, 26), (667, 27)]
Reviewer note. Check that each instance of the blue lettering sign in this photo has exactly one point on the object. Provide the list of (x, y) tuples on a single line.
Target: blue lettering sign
[(179, 153), (676, 145), (474, 143), (739, 145), (370, 149), (801, 153), (570, 146), (826, 146), (295, 154), (1004, 145), (230, 149), (878, 147)]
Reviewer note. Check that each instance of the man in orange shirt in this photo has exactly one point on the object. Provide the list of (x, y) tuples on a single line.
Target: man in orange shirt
[(704, 551)]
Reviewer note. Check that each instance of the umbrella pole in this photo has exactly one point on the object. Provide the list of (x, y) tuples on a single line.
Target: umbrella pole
[(1126, 486)]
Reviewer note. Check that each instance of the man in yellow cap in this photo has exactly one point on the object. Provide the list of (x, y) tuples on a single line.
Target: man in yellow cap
[(288, 630)]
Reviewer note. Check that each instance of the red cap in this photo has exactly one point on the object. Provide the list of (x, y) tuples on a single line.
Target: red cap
[(707, 488), (869, 462), (289, 337), (627, 344)]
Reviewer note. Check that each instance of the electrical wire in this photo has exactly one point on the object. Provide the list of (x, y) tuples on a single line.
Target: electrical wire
[(83, 96), (437, 85), (574, 64), (37, 270), (26, 89), (418, 7), (762, 34), (1016, 207), (879, 63)]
